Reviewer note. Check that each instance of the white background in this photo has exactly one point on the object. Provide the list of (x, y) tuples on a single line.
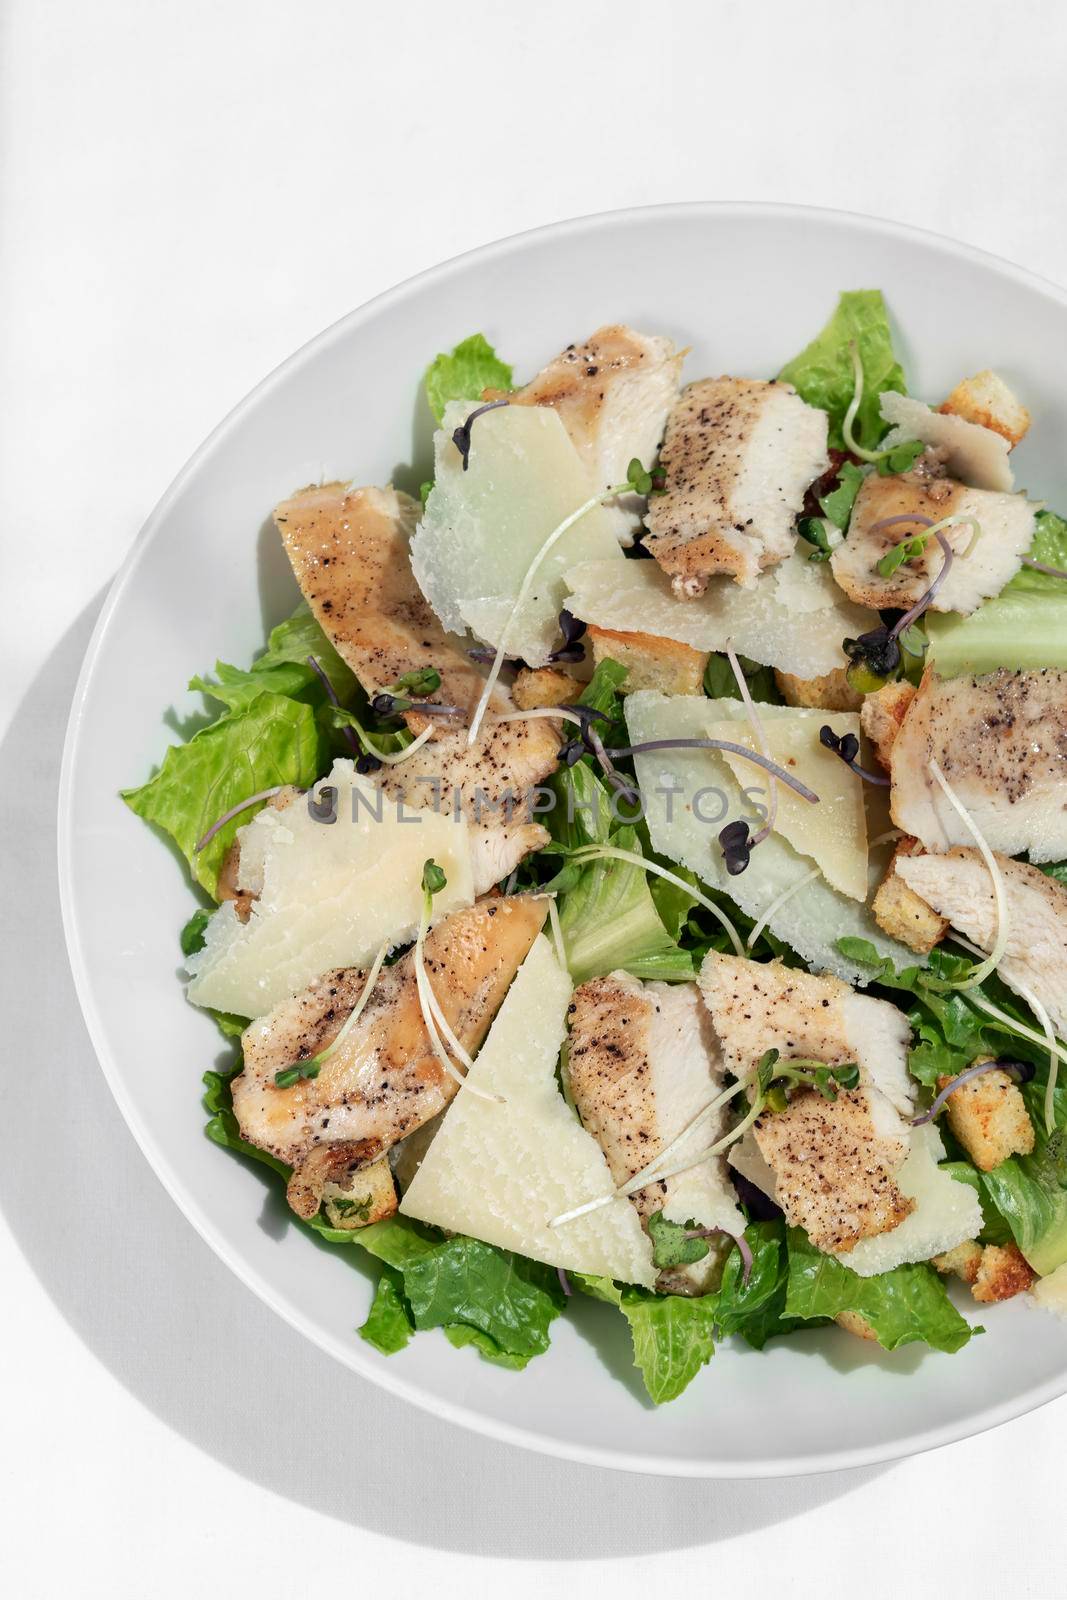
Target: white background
[(190, 190)]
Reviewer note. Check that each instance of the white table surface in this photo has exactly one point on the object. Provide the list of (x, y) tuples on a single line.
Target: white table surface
[(191, 189)]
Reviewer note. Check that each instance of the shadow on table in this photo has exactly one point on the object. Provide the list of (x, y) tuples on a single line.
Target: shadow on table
[(198, 1348)]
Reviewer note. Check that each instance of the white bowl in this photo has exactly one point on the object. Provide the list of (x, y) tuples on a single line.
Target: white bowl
[(746, 287)]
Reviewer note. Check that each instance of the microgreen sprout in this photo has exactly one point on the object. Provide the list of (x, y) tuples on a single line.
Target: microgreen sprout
[(906, 452), (847, 746), (461, 436), (913, 546), (235, 811)]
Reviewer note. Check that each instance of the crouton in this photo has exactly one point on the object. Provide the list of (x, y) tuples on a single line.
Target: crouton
[(367, 1196), (651, 662), (903, 914), (852, 1322), (989, 1118), (965, 1260), (1004, 1272), (546, 686), (987, 400), (831, 692), (882, 714)]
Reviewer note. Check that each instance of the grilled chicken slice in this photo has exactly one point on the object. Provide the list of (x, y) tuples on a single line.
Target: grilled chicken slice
[(1001, 742), (971, 453), (642, 1062), (738, 456), (613, 394), (1006, 520), (834, 1162), (958, 886), (349, 551), (385, 1079)]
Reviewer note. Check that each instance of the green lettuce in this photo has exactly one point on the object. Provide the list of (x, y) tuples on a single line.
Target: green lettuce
[(672, 1335), (906, 1306), (270, 741), (1030, 1192), (283, 667), (822, 373), (838, 504), (463, 374), (607, 912), (388, 1326), (755, 1308), (720, 683)]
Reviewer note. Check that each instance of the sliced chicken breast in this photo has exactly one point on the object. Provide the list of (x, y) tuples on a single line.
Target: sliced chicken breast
[(642, 1062), (974, 454), (1001, 742), (834, 1162), (958, 886), (738, 456), (613, 394), (385, 1079), (349, 551), (1007, 524)]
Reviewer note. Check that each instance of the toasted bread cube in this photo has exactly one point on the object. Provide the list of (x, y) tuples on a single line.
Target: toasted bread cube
[(988, 1115), (1004, 1272), (882, 714), (987, 400), (903, 914), (651, 662), (853, 1322), (965, 1260), (547, 686), (831, 692), (369, 1195)]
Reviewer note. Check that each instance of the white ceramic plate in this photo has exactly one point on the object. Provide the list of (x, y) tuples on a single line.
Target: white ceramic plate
[(745, 287)]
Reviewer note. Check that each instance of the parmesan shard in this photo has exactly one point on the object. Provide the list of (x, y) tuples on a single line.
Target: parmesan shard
[(832, 832), (613, 393), (793, 618), (974, 454), (690, 794), (482, 528), (739, 455), (1007, 522), (327, 895), (502, 1172)]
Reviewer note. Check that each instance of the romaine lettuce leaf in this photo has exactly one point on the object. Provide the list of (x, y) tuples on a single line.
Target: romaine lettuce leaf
[(505, 1296), (462, 375), (822, 373), (1030, 1192), (908, 1305), (388, 1326), (672, 1334), (273, 740), (283, 667), (756, 1310)]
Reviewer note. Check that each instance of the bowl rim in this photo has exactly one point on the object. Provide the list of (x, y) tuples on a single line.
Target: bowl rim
[(351, 1355)]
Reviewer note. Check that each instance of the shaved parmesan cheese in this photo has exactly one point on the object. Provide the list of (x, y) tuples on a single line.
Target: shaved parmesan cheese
[(975, 455), (794, 617), (946, 1213), (690, 794), (482, 528), (834, 832), (1051, 1292), (502, 1172), (329, 894)]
